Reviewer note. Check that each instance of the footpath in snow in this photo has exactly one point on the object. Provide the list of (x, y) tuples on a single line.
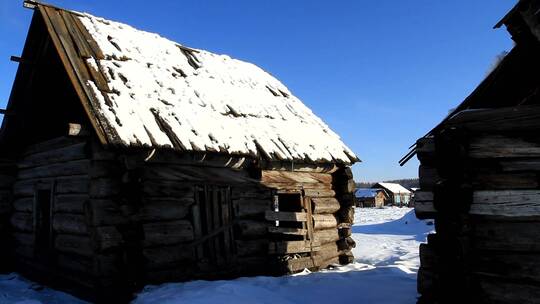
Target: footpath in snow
[(385, 270)]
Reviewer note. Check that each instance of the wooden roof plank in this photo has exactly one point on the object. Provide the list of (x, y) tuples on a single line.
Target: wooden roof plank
[(98, 54), (79, 42), (62, 49)]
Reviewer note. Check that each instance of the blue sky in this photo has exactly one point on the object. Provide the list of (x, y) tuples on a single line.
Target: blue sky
[(380, 73)]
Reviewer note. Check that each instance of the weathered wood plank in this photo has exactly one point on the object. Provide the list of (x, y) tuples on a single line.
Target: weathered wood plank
[(252, 229), (324, 221), (251, 207), (106, 238), (319, 193), (167, 233), (287, 230), (285, 216), (22, 221), (270, 176), (292, 247), (507, 235), (495, 145), (162, 188), (70, 203), (76, 151), (423, 205), (326, 236), (50, 145), (325, 205), (24, 204), (163, 209), (81, 245), (77, 167), (167, 256), (104, 212), (70, 224), (106, 187), (506, 203)]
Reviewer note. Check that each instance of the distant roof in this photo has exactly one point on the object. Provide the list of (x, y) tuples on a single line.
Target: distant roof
[(147, 91), (392, 187), (366, 192)]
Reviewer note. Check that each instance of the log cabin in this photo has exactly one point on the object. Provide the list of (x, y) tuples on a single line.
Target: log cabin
[(370, 198), (396, 194), (128, 159), (479, 179)]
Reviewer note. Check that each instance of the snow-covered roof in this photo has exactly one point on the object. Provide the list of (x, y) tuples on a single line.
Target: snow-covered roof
[(158, 93), (393, 187), (366, 192)]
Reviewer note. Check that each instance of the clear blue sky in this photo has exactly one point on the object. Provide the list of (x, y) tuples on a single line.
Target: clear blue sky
[(380, 73)]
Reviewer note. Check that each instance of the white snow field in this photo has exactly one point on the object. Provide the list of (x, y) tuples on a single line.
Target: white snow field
[(384, 272)]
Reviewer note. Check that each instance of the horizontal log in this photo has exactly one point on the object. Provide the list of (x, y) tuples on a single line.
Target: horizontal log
[(494, 146), (346, 244), (319, 193), (285, 216), (167, 233), (506, 203), (428, 177), (299, 264), (251, 207), (21, 221), (72, 185), (423, 205), (157, 188), (251, 192), (24, 204), (252, 229), (70, 168), (98, 266), (346, 258), (499, 119), (426, 281), (287, 230), (506, 235), (298, 167), (23, 238), (70, 203), (76, 244), (499, 180), (102, 168), (501, 291), (287, 247), (326, 236), (167, 256), (347, 187), (60, 155), (324, 221), (106, 238), (252, 248), (324, 205), (52, 144), (180, 173), (425, 150), (163, 209), (428, 256), (104, 187), (70, 224), (325, 252), (104, 212), (298, 187), (270, 176), (510, 265), (207, 160)]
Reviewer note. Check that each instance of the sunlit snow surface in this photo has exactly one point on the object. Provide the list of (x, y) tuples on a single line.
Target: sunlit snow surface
[(384, 272)]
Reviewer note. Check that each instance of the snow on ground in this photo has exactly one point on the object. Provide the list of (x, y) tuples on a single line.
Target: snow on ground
[(384, 272)]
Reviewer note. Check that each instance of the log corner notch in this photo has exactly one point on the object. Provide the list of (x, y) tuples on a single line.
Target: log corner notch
[(310, 225), (479, 172)]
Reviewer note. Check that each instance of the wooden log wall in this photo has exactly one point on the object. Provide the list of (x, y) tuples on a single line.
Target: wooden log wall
[(7, 177), (481, 187)]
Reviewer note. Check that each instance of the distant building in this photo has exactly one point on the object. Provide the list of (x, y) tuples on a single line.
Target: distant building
[(397, 195), (369, 197)]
